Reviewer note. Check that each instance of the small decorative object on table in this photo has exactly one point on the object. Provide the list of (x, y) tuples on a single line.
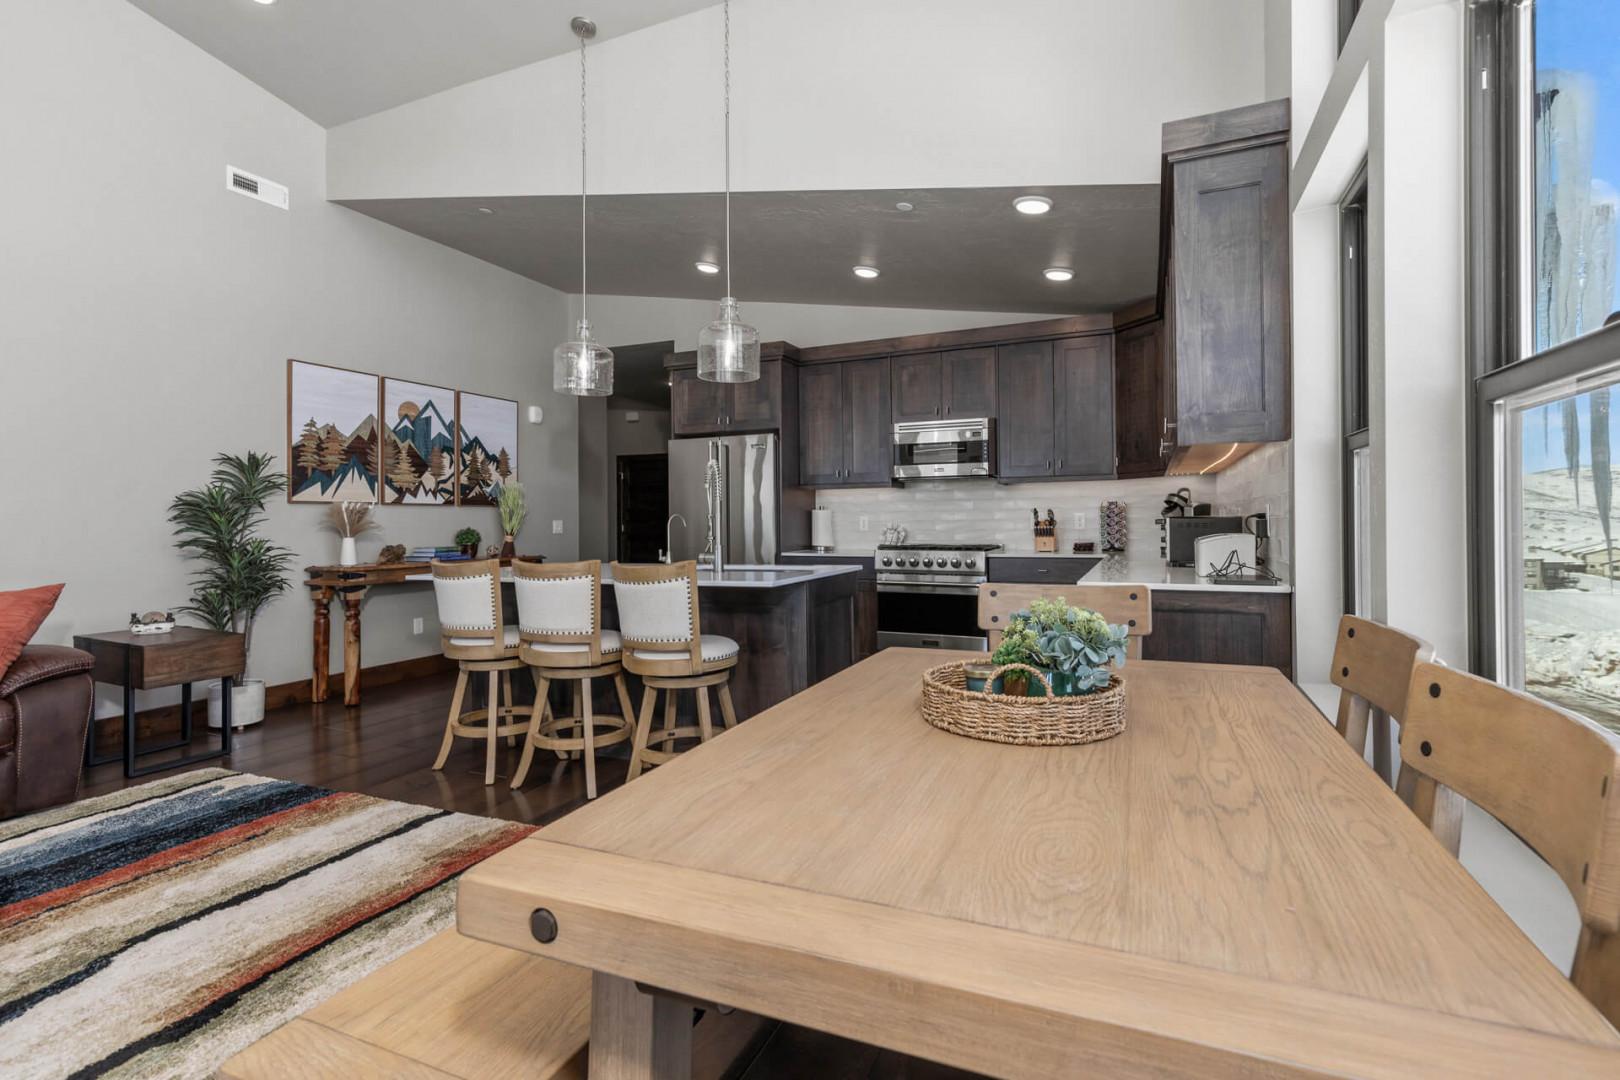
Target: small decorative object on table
[(1113, 525), (468, 540), (393, 553), (1045, 531), (513, 512), (349, 519), (153, 622), (1074, 695)]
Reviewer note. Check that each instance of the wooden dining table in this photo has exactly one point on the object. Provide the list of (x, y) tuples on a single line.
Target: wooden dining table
[(1225, 889)]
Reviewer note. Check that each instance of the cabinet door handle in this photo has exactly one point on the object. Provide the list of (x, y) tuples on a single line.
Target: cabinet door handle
[(1060, 464)]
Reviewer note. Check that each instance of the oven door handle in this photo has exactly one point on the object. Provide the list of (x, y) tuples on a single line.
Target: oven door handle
[(935, 590)]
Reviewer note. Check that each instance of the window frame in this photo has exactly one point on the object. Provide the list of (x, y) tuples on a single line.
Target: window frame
[(1353, 327), (1347, 19), (1502, 363)]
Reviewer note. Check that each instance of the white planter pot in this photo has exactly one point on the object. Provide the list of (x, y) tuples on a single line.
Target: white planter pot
[(247, 703), (348, 554)]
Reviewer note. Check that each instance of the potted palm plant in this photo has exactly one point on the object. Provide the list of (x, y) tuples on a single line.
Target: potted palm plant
[(241, 572)]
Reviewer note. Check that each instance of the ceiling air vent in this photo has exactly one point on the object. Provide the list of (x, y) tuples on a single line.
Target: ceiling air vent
[(255, 187)]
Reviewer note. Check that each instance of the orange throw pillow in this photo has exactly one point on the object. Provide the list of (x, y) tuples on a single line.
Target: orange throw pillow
[(21, 612)]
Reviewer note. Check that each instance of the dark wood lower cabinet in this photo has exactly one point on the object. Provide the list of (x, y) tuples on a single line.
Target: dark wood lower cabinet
[(1223, 628), (865, 599)]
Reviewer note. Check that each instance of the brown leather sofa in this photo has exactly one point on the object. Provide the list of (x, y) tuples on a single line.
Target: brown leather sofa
[(45, 702)]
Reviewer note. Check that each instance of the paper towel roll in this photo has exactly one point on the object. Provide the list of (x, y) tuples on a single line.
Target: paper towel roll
[(821, 528)]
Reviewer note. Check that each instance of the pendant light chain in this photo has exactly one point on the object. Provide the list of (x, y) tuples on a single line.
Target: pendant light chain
[(727, 66), (583, 262)]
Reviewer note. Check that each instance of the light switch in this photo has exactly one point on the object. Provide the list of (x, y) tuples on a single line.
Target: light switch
[(866, 523), (1079, 519), (556, 528), (416, 626)]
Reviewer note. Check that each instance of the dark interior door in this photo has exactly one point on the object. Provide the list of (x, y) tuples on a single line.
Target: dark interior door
[(643, 506)]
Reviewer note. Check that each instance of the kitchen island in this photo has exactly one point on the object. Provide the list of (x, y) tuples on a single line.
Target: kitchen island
[(794, 625)]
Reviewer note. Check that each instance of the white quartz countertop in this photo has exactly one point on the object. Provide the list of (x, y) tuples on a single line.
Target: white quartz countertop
[(746, 576), (837, 552), (1157, 574)]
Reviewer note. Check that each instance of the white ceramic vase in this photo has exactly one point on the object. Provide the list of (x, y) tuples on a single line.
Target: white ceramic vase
[(348, 554)]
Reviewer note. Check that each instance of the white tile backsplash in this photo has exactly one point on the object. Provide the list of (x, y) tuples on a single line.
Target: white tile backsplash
[(983, 511), (1261, 484)]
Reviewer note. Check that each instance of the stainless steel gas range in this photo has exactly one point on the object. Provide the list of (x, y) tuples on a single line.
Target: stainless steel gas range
[(928, 594)]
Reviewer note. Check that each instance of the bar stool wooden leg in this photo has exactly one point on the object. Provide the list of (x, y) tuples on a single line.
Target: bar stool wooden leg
[(669, 714), (704, 725), (624, 698), (455, 715), (493, 719), (511, 702), (643, 728), (537, 721), (727, 711), (588, 726)]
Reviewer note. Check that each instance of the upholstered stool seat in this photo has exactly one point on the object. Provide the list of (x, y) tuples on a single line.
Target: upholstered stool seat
[(561, 638), (473, 633), (666, 646)]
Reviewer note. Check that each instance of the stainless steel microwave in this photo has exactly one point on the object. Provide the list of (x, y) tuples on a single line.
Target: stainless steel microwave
[(944, 449)]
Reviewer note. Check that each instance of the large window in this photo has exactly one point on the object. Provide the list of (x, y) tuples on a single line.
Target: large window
[(1544, 294), (1357, 451)]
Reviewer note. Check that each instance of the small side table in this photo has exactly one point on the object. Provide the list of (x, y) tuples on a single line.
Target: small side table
[(181, 657)]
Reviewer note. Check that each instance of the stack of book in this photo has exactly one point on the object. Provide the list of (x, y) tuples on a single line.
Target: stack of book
[(429, 553)]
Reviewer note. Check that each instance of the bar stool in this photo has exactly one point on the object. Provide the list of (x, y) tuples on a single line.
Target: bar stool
[(473, 633), (665, 645), (561, 638)]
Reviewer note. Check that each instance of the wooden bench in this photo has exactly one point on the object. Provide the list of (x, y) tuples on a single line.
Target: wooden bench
[(457, 1009), (451, 1007)]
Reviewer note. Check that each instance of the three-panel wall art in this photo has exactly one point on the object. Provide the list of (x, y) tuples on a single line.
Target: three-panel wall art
[(352, 435)]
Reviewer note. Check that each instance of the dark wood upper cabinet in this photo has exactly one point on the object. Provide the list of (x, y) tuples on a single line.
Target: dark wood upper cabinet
[(918, 390), (821, 425), (1025, 444), (1083, 407), (1228, 202), (1139, 415), (708, 408), (868, 432), (696, 407), (757, 405), (968, 384)]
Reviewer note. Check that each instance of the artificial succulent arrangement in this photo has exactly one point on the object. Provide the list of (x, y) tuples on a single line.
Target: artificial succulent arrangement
[(1074, 645)]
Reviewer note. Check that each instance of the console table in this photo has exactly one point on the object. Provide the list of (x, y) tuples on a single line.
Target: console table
[(182, 656), (350, 583)]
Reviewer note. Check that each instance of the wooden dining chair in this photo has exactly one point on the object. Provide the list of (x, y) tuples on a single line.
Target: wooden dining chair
[(1372, 667), (473, 632), (664, 643), (561, 638), (1550, 776), (1130, 606)]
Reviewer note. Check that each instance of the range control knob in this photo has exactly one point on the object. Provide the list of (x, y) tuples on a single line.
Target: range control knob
[(887, 561), (956, 562), (914, 560), (928, 562), (972, 562)]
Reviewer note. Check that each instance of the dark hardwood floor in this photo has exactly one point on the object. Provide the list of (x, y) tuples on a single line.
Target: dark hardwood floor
[(385, 746)]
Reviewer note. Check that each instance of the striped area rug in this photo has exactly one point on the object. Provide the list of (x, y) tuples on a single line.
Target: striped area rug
[(157, 931)]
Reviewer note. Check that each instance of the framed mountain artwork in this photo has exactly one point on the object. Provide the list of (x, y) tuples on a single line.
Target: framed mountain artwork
[(418, 444), (488, 430), (332, 440)]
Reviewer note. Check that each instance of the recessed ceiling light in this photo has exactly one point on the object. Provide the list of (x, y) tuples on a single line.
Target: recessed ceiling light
[(265, 2), (903, 206), (707, 267), (1032, 204), (866, 271), (481, 209), (1059, 273)]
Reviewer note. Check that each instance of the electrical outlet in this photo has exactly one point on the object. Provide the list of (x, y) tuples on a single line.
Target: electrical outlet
[(556, 528), (866, 523), (1079, 519), (416, 626)]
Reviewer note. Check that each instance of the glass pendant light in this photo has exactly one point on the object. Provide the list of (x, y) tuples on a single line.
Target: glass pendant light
[(728, 348), (582, 366)]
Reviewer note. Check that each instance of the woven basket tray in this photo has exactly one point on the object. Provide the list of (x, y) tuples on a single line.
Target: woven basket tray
[(948, 704)]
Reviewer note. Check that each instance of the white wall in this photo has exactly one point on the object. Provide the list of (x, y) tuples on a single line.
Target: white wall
[(149, 314), (630, 319), (831, 94)]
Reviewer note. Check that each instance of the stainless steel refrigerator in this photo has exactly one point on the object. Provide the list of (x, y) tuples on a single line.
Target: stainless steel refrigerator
[(754, 504)]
